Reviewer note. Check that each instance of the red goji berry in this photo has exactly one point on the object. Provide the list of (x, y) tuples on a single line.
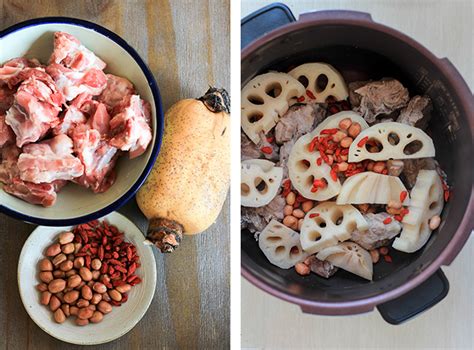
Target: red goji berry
[(403, 196), (313, 215), (362, 141), (310, 95), (266, 150), (387, 221)]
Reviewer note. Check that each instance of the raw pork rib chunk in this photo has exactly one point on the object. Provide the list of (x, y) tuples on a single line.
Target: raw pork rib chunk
[(44, 194), (6, 98), (72, 83), (117, 89), (6, 134), (131, 127), (11, 69), (98, 158), (71, 53), (35, 110), (49, 160)]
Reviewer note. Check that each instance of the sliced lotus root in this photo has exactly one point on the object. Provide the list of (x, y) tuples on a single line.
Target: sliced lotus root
[(372, 188), (281, 245), (260, 181), (304, 170), (395, 141), (334, 120), (351, 257), (264, 100), (328, 224), (321, 80), (426, 201)]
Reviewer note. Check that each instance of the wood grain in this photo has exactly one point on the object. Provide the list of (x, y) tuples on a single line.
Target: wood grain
[(186, 45), (446, 28)]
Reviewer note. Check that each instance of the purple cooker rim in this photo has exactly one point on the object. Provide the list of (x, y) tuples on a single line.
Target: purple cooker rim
[(119, 202), (462, 233)]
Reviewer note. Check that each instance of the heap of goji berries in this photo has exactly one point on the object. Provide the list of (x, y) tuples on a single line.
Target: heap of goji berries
[(119, 258)]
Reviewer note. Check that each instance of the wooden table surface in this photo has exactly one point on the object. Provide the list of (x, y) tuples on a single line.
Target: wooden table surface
[(186, 45), (446, 28)]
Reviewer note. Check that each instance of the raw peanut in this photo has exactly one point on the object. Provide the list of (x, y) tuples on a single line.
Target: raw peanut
[(81, 322), (78, 262), (330, 159), (65, 308), (374, 254), (59, 316), (106, 297), (345, 123), (57, 285), (77, 247), (45, 265), (85, 273), (378, 167), (346, 142), (370, 166), (434, 223), (307, 206), (86, 292), (68, 248), (96, 264), (66, 266), (124, 288), (344, 157), (59, 274), (42, 287), (54, 303), (71, 297), (115, 295), (363, 207), (291, 198), (329, 151), (393, 211), (354, 130), (85, 313), (394, 204), (298, 213), (95, 275), (53, 250), (338, 136), (58, 259), (66, 237), (45, 298), (342, 166), (287, 210), (97, 317), (46, 276), (74, 281), (99, 287), (300, 224), (96, 298), (92, 307), (73, 310), (70, 273), (104, 307), (290, 221), (302, 269), (82, 303)]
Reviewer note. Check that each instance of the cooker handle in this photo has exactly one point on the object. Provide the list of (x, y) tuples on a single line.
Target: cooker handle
[(263, 21), (335, 14), (416, 301)]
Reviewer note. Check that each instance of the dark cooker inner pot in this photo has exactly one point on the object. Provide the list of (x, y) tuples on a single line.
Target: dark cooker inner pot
[(360, 54)]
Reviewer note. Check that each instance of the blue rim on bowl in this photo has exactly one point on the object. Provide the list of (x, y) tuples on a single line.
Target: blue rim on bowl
[(159, 120)]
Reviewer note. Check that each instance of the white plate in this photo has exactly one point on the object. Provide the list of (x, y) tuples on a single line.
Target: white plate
[(121, 320)]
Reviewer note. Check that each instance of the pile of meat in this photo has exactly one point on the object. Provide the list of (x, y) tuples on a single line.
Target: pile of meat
[(66, 121)]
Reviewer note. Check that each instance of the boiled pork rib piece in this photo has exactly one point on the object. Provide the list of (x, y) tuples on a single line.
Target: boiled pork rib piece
[(44, 194), (117, 90), (6, 133), (97, 156), (69, 52), (11, 69), (35, 109), (130, 129), (72, 83), (49, 161)]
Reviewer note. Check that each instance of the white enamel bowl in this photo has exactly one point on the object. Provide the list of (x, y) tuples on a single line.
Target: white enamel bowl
[(76, 204), (115, 324)]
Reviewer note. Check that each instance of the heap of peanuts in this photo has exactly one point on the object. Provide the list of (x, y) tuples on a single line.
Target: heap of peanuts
[(87, 272)]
